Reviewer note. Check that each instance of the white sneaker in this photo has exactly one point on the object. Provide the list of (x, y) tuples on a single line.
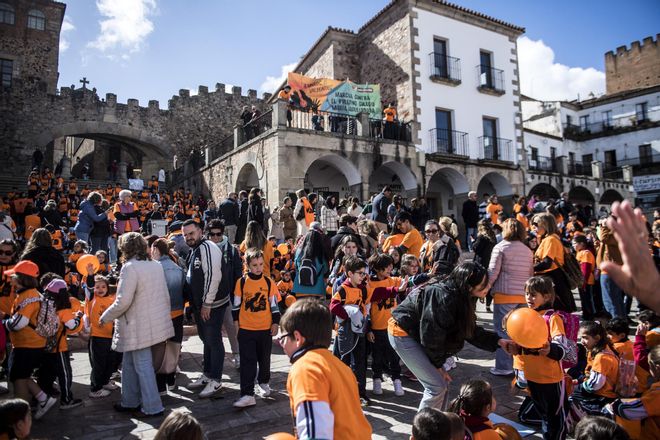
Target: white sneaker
[(450, 363), (237, 361), (245, 401), (212, 387), (111, 386), (398, 388), (200, 382), (265, 389), (377, 387), (42, 408), (99, 394), (497, 372)]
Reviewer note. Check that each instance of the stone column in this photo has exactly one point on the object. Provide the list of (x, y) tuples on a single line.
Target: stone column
[(66, 167), (562, 165), (279, 114), (121, 171), (238, 136), (363, 124), (597, 169)]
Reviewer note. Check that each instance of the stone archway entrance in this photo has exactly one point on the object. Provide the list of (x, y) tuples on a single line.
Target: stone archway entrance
[(610, 196), (446, 192), (543, 191), (495, 183), (398, 176), (247, 178), (333, 174)]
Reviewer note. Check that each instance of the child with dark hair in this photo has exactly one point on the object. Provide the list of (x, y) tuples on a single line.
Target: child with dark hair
[(587, 261), (599, 428), (601, 373), (15, 419), (474, 402), (433, 424)]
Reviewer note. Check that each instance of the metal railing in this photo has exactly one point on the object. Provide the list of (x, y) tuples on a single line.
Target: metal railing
[(449, 142), (625, 121), (258, 125), (641, 162), (612, 171), (445, 67), (396, 130), (579, 169), (221, 148), (494, 148), (490, 78), (543, 163), (323, 121)]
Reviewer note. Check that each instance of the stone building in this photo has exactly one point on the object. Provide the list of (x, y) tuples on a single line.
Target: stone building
[(634, 68), (34, 113)]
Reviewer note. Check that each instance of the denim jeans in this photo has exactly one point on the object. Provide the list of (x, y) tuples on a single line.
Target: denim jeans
[(470, 235), (503, 360), (612, 297), (210, 332), (84, 236), (138, 382), (229, 327), (412, 354), (112, 249), (352, 351)]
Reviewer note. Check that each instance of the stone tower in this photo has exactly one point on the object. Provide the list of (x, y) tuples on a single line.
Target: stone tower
[(29, 41), (634, 68)]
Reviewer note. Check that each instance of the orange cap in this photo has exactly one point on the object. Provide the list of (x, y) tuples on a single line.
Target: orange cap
[(26, 268)]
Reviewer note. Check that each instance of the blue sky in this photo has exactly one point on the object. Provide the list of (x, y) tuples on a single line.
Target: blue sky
[(149, 49)]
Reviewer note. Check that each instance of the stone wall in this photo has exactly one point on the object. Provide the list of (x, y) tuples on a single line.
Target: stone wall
[(323, 66), (633, 68), (34, 52)]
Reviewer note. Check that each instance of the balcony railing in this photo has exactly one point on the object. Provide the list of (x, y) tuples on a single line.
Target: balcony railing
[(258, 125), (543, 163), (626, 121), (449, 142), (490, 79), (612, 171), (493, 148), (324, 121), (223, 147), (445, 68), (398, 131), (579, 169)]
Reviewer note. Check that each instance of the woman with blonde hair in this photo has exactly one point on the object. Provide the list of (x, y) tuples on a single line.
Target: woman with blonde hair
[(549, 257)]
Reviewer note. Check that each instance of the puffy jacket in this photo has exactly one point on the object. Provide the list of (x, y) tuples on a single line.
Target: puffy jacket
[(379, 208), (511, 265), (87, 217), (446, 255), (174, 280), (229, 212), (232, 268), (434, 315)]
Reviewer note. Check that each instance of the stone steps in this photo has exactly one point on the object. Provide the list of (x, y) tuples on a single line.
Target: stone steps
[(8, 183)]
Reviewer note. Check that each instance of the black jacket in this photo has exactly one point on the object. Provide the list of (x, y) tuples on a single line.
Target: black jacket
[(344, 231), (447, 257), (47, 258), (229, 212), (433, 316), (232, 268), (255, 212), (470, 213), (483, 248), (379, 208)]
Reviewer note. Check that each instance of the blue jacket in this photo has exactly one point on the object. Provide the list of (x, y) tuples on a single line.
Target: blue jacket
[(319, 287), (87, 217), (174, 277), (379, 208)]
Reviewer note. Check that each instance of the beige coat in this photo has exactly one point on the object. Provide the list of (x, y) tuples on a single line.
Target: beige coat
[(142, 308)]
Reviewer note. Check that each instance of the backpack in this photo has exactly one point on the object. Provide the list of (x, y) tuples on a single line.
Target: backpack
[(572, 271), (571, 327), (307, 274), (47, 320)]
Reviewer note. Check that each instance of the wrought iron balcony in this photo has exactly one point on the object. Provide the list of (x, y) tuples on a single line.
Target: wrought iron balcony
[(490, 80), (494, 148), (449, 142), (445, 69), (543, 163)]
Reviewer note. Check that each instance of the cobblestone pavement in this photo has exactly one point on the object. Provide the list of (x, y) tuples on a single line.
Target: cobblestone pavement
[(390, 416)]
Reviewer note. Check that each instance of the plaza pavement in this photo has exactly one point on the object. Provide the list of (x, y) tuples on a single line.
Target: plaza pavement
[(390, 416)]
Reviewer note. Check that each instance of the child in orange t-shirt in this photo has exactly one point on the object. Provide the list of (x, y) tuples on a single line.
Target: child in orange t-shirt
[(474, 402), (105, 361), (79, 249), (285, 286), (617, 331), (587, 262), (600, 376)]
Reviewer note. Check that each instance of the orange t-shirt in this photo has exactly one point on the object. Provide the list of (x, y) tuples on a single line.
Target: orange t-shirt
[(285, 286), (394, 240), (585, 256), (493, 210), (551, 247), (413, 241), (255, 312), (542, 369), (94, 309), (319, 376), (381, 311), (27, 337), (394, 329), (607, 364)]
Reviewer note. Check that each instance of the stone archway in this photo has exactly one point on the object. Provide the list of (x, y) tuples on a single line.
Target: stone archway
[(495, 183), (610, 196), (397, 175), (333, 174), (543, 191), (247, 178), (579, 195), (446, 191)]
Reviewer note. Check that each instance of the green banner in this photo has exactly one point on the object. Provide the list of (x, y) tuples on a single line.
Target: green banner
[(350, 99)]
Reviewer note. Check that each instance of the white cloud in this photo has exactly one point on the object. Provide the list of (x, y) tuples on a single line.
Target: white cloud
[(542, 78), (125, 27), (67, 26), (273, 82)]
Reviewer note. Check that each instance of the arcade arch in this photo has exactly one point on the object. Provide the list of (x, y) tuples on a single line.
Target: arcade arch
[(398, 176), (333, 174)]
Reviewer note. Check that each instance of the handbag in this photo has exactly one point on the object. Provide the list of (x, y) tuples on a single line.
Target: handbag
[(165, 356)]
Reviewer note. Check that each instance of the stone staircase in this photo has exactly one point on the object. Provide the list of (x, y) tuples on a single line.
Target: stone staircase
[(8, 183)]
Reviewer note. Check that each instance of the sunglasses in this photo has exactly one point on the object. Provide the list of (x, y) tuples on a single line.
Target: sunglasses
[(431, 231), (7, 253), (281, 338), (361, 273), (215, 234)]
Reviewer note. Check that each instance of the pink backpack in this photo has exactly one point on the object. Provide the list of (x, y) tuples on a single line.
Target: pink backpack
[(571, 327)]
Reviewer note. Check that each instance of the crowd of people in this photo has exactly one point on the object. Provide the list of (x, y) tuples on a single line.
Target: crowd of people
[(392, 290)]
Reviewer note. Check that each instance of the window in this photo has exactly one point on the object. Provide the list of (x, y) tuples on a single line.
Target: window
[(641, 111), (610, 160), (645, 154), (486, 76), (584, 123), (36, 20), (607, 119), (534, 153), (440, 58), (7, 15), (491, 150), (571, 158), (569, 120), (6, 70), (553, 153), (587, 159), (443, 132)]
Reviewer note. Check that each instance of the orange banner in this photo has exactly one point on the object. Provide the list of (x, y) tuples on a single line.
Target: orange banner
[(309, 93)]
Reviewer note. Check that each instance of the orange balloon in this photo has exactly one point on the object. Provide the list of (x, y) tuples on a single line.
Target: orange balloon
[(283, 248), (280, 436), (527, 328), (289, 300), (86, 259)]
